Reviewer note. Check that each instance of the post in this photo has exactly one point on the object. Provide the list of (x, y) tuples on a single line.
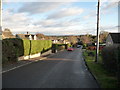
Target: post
[(0, 44), (0, 17), (97, 46)]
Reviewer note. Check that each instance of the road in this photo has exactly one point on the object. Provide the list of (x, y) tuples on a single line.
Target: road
[(64, 69)]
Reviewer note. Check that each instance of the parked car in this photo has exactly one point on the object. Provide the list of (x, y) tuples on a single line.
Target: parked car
[(70, 49), (78, 46)]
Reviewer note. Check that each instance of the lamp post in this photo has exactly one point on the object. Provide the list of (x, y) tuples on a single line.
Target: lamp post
[(97, 46)]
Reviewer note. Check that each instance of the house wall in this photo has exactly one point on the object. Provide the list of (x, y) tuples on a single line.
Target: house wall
[(30, 37), (109, 41), (35, 37)]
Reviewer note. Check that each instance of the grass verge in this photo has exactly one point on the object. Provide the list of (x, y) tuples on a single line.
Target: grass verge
[(104, 78)]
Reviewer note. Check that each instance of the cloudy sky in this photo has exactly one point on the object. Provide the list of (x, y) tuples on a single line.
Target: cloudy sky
[(73, 17)]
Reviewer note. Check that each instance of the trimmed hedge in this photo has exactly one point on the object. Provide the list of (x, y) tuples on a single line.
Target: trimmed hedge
[(26, 45), (40, 46), (13, 48), (110, 58), (59, 47)]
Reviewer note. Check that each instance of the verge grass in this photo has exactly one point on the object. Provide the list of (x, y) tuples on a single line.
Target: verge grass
[(104, 78)]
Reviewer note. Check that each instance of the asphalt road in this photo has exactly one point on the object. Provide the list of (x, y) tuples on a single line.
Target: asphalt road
[(64, 69)]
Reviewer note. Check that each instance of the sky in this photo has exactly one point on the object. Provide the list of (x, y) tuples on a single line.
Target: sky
[(71, 17)]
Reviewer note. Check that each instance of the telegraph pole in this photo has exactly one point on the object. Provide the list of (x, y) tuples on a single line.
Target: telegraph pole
[(0, 44), (0, 17), (97, 46)]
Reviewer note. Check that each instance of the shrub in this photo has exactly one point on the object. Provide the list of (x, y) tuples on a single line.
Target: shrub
[(84, 46), (36, 46), (26, 44), (91, 54), (59, 47), (11, 49), (110, 58)]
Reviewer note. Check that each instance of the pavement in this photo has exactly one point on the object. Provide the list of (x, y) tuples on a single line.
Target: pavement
[(65, 69)]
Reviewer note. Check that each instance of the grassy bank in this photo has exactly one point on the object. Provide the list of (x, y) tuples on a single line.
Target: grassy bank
[(104, 78)]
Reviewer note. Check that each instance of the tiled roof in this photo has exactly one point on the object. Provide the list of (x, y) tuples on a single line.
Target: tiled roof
[(115, 37), (7, 34), (22, 36)]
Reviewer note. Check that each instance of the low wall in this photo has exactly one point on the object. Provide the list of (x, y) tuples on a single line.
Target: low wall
[(34, 55)]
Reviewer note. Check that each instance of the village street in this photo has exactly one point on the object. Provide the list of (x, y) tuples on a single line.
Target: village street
[(65, 69)]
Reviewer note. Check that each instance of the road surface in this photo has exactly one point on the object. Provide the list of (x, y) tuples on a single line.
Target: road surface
[(64, 69)]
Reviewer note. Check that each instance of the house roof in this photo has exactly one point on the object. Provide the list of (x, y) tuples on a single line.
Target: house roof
[(7, 34), (24, 36), (115, 37)]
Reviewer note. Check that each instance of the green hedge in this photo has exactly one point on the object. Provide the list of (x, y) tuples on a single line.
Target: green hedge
[(110, 58), (13, 48), (40, 45), (60, 46), (26, 45)]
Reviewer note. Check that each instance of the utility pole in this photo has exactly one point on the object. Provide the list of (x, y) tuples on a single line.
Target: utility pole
[(0, 18), (0, 44), (97, 46)]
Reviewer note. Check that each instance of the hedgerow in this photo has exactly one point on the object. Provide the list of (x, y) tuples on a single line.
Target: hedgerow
[(111, 60), (13, 48)]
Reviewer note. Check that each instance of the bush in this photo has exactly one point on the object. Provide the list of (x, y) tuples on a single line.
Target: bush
[(40, 46), (13, 48), (26, 44), (110, 58), (37, 46), (91, 54), (59, 47), (84, 46)]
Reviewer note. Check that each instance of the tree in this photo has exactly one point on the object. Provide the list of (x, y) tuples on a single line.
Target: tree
[(103, 36), (72, 39), (86, 39)]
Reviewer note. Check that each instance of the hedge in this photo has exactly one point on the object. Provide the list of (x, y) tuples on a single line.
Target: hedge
[(13, 48), (40, 45), (26, 45), (60, 46), (110, 58)]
